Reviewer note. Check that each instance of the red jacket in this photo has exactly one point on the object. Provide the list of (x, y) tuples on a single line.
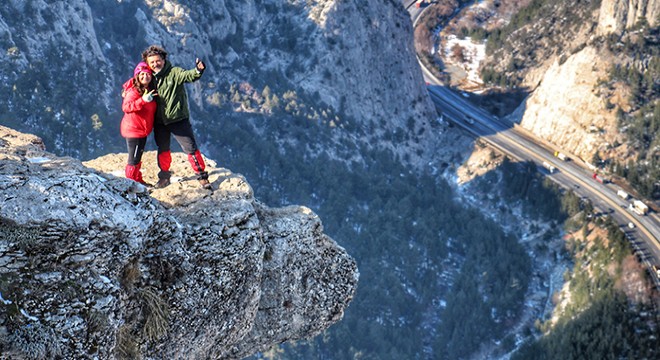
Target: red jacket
[(138, 120)]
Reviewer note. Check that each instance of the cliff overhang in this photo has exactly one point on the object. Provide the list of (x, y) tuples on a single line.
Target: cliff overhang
[(93, 265)]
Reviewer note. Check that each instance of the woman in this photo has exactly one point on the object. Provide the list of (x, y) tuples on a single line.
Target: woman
[(138, 121)]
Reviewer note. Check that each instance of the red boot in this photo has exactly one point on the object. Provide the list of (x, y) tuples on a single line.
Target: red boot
[(197, 162), (133, 172), (164, 162)]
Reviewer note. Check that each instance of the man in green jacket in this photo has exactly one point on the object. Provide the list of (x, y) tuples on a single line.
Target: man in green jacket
[(172, 114)]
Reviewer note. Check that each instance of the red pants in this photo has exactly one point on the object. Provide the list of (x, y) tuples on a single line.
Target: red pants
[(183, 134)]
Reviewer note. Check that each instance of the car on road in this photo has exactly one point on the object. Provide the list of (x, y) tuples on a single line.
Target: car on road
[(656, 270)]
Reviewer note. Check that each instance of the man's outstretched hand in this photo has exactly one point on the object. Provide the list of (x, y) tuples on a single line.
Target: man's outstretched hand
[(199, 64)]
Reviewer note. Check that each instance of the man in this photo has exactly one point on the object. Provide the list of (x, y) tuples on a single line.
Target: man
[(172, 114)]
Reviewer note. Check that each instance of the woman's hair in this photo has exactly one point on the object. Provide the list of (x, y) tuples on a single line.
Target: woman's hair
[(140, 88), (154, 50)]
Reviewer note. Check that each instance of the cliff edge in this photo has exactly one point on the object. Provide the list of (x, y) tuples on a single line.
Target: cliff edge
[(92, 265)]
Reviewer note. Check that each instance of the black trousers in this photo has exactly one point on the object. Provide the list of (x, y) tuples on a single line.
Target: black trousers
[(183, 133), (135, 147)]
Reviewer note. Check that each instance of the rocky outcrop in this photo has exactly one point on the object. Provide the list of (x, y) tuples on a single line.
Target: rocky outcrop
[(584, 124), (580, 124), (618, 15), (93, 265)]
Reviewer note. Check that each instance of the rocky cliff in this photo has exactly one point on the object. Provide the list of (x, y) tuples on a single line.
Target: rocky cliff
[(618, 15), (574, 104), (581, 125), (348, 63), (94, 266)]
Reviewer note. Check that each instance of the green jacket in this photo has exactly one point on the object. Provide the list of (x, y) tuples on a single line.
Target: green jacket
[(172, 99)]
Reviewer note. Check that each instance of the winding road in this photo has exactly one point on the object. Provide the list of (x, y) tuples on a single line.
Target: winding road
[(521, 145)]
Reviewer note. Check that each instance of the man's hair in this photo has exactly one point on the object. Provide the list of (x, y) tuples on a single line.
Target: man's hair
[(154, 50)]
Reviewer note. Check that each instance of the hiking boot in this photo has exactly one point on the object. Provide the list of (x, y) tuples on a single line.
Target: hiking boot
[(162, 183), (205, 184)]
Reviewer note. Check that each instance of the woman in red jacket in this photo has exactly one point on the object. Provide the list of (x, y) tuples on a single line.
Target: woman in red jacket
[(138, 121)]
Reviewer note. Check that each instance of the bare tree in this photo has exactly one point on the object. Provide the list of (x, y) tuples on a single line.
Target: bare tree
[(457, 53)]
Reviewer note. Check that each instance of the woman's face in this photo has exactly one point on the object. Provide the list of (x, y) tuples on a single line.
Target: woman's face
[(144, 78)]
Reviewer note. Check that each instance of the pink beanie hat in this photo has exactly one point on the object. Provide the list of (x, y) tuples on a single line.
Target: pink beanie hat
[(142, 67)]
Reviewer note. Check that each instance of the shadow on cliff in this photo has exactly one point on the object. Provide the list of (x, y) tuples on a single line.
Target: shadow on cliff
[(479, 116), (501, 103), (507, 106)]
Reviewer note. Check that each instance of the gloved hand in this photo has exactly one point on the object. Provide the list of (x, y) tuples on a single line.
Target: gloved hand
[(148, 96)]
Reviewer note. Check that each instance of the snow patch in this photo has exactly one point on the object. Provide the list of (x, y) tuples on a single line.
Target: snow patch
[(473, 53)]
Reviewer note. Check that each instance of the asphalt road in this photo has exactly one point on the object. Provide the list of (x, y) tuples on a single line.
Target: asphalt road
[(574, 174)]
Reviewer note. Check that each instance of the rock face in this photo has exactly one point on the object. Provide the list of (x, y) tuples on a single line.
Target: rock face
[(618, 15), (94, 266), (582, 123), (586, 124), (351, 59)]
